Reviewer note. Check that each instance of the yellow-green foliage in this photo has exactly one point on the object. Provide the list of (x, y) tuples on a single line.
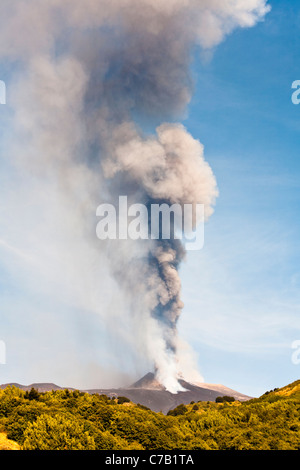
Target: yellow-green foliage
[(292, 389), (60, 431), (66, 420)]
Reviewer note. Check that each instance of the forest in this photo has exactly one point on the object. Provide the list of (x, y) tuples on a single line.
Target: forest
[(74, 420)]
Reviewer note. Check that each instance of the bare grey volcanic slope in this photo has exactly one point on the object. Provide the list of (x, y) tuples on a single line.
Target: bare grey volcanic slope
[(148, 382), (149, 392)]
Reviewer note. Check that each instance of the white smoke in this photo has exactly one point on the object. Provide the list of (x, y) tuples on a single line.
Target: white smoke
[(84, 74)]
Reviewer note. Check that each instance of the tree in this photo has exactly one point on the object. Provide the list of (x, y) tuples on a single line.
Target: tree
[(179, 410), (32, 395), (122, 400), (21, 416), (225, 399), (58, 432)]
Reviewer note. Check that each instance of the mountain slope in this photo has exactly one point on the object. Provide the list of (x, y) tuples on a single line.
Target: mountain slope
[(149, 392), (292, 389), (41, 387)]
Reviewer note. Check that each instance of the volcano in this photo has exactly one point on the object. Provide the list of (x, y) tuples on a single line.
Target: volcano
[(149, 392)]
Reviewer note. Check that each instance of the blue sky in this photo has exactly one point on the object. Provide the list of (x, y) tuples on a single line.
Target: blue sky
[(241, 292)]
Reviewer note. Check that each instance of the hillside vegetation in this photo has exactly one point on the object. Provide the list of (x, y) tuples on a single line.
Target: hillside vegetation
[(6, 444), (70, 420)]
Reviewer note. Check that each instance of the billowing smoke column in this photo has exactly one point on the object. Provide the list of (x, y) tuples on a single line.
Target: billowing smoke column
[(168, 168), (92, 76)]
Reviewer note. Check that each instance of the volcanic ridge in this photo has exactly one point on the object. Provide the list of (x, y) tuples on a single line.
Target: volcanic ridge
[(149, 392)]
